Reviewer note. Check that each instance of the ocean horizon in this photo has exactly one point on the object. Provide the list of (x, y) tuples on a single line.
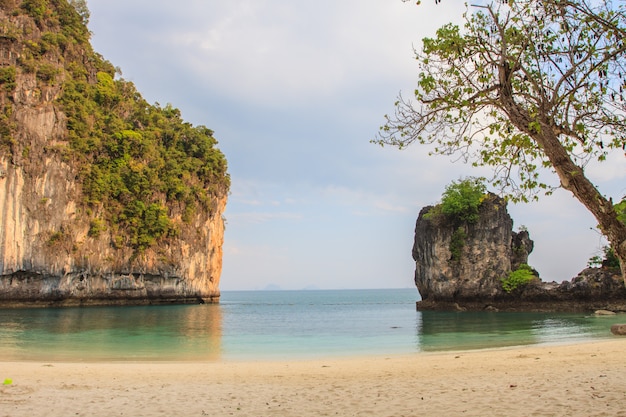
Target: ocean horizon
[(278, 325)]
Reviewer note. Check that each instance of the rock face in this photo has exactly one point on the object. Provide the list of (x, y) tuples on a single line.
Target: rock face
[(48, 254), (618, 329), (460, 266), (80, 270), (486, 251)]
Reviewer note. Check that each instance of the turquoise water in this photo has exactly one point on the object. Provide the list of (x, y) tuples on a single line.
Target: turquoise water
[(261, 325)]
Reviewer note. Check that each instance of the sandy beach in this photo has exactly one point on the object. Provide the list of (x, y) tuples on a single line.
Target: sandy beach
[(586, 379)]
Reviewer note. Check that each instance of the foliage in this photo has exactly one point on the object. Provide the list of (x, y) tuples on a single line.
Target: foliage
[(55, 237), (6, 129), (620, 209), (81, 9), (146, 224), (462, 199), (47, 73), (555, 62), (96, 227), (524, 87), (137, 156), (7, 78), (70, 17), (608, 260), (518, 278), (8, 31), (457, 243), (460, 203), (35, 9)]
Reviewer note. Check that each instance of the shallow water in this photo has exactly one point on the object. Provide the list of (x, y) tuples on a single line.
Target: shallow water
[(279, 325)]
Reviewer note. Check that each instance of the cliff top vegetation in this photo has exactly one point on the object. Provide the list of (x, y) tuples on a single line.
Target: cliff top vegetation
[(460, 201)]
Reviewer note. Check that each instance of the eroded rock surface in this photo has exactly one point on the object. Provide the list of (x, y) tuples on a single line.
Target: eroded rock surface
[(467, 276)]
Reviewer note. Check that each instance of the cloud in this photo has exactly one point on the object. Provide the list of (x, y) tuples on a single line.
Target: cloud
[(295, 90), (281, 51)]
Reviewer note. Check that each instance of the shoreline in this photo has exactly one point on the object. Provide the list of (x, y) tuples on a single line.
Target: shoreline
[(218, 357), (582, 379)]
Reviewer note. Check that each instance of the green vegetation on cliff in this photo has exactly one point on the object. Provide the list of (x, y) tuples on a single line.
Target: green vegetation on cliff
[(144, 171), (518, 278), (609, 259), (460, 201), (459, 206)]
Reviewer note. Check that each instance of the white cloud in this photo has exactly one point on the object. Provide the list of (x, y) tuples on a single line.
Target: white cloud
[(273, 51)]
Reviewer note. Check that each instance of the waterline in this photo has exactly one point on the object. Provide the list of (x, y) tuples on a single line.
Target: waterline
[(279, 325)]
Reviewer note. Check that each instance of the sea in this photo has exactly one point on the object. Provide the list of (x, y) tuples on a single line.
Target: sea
[(280, 325)]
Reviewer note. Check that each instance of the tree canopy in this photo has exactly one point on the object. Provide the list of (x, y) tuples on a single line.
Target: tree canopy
[(525, 85)]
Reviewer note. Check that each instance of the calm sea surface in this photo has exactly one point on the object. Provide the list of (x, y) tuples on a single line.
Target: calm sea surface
[(259, 325)]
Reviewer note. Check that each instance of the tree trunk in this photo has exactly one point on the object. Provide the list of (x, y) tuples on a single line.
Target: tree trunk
[(574, 180), (572, 176)]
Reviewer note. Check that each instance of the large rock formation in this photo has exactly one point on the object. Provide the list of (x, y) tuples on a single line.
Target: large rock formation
[(58, 247), (460, 262), (460, 266)]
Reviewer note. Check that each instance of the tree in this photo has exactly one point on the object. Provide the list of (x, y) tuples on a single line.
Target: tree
[(81, 9), (462, 199), (525, 85)]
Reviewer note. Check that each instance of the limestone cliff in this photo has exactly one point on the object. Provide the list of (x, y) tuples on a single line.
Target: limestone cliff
[(460, 265), (87, 216), (487, 250)]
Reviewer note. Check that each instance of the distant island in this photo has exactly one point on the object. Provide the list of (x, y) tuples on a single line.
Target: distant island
[(467, 257), (104, 198)]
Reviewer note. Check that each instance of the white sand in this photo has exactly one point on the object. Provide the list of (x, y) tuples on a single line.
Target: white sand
[(587, 379)]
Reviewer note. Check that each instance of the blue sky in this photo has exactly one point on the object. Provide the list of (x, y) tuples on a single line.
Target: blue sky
[(294, 91)]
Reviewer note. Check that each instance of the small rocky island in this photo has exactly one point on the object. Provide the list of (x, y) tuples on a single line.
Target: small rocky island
[(478, 262), (104, 198)]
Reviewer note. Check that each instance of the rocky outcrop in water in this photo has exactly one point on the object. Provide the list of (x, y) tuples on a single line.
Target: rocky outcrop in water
[(63, 240), (618, 329), (459, 262), (460, 266)]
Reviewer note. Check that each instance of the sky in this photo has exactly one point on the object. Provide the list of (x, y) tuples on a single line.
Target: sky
[(294, 91)]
